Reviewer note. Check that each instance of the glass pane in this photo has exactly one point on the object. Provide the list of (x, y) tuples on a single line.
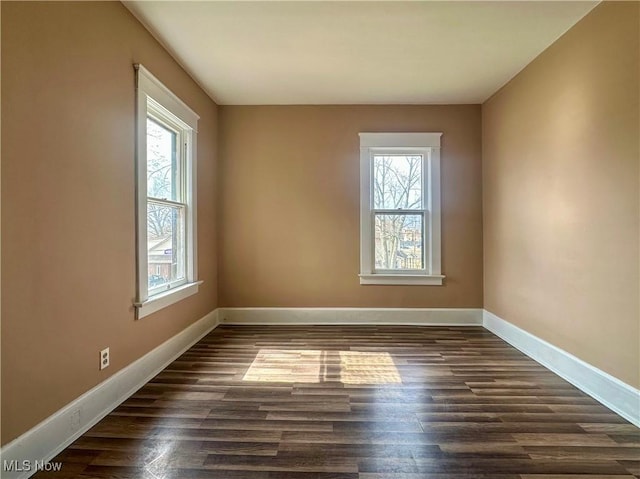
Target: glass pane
[(399, 242), (165, 244), (397, 182), (163, 179)]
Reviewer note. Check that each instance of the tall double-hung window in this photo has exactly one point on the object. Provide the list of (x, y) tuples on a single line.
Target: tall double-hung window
[(400, 209), (166, 130)]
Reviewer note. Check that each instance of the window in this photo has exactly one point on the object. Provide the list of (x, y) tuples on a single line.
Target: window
[(166, 131), (400, 208)]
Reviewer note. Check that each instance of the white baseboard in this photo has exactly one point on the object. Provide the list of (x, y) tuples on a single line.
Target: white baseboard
[(47, 439), (611, 392), (44, 441), (348, 316)]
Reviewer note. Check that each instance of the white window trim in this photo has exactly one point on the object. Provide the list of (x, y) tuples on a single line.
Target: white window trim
[(429, 145), (149, 90)]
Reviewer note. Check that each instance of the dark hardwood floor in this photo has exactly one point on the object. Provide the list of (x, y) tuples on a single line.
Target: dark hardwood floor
[(334, 402)]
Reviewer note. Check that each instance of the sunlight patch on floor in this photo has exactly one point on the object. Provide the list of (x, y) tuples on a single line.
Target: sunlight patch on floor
[(285, 365), (315, 366), (358, 367)]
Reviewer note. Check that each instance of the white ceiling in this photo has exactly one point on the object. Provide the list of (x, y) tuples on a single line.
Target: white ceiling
[(334, 52)]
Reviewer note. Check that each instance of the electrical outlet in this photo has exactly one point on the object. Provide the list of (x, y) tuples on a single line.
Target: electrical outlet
[(104, 358)]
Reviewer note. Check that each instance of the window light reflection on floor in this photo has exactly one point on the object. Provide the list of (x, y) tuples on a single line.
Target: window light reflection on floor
[(315, 366)]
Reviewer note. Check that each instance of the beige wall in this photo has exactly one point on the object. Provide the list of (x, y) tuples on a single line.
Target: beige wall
[(289, 206), (561, 194), (561, 200), (68, 263)]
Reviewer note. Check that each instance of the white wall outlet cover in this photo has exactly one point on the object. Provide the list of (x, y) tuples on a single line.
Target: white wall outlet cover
[(104, 358)]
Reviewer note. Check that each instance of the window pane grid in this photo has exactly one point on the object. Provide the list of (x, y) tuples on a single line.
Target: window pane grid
[(165, 244), (164, 168), (166, 205), (398, 215), (398, 241), (397, 181)]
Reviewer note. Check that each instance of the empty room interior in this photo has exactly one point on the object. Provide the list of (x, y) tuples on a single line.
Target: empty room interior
[(320, 239)]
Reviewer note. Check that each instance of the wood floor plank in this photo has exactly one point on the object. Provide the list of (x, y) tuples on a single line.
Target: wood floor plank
[(457, 475), (632, 466), (355, 402), (575, 476), (550, 439), (583, 452)]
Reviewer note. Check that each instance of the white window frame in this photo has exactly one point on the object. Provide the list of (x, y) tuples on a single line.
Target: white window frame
[(428, 146), (155, 100)]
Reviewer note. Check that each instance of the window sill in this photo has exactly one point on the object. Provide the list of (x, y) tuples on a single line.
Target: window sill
[(402, 279), (166, 298)]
